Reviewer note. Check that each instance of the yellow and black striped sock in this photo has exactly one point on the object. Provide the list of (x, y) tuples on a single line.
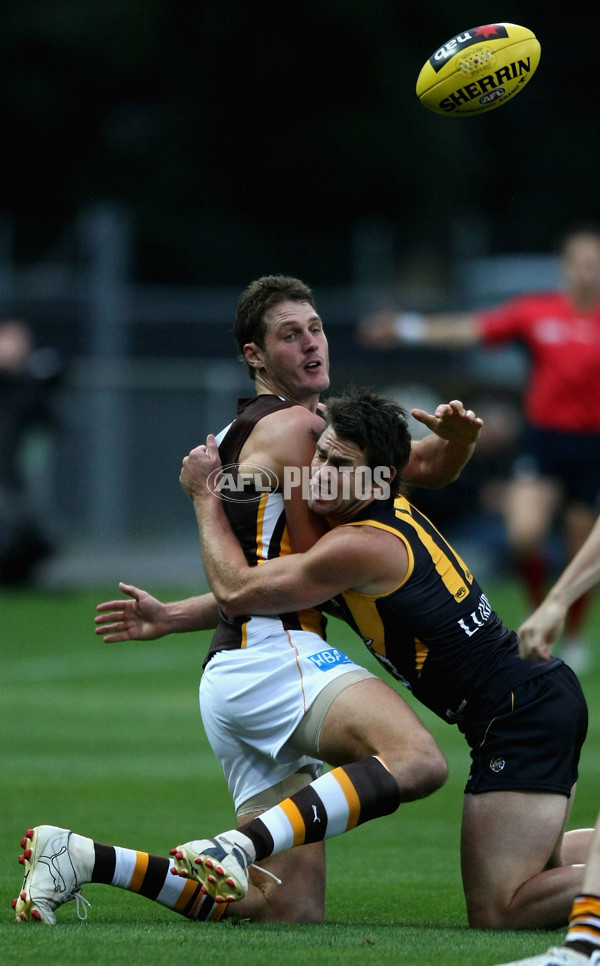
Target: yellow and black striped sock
[(583, 933), (150, 876), (339, 800)]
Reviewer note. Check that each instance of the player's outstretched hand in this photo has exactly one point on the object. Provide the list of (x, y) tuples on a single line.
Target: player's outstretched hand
[(541, 629), (141, 618), (451, 421)]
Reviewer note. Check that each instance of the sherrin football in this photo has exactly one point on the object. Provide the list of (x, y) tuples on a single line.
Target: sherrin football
[(479, 69)]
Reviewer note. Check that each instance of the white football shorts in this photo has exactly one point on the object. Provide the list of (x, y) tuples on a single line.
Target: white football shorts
[(252, 700)]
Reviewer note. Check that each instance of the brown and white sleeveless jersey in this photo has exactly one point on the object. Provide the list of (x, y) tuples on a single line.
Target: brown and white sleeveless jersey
[(255, 509)]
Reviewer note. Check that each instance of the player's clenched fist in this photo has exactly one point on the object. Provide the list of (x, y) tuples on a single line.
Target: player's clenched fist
[(199, 467)]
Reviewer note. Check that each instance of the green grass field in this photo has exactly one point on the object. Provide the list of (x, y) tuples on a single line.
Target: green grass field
[(107, 740)]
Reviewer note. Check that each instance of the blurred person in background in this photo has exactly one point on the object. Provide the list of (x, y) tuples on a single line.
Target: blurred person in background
[(556, 474), (28, 377)]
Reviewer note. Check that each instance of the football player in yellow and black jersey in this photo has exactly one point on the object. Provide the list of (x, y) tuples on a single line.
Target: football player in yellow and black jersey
[(424, 616)]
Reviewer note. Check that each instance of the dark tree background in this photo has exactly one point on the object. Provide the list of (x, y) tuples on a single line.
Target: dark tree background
[(252, 135)]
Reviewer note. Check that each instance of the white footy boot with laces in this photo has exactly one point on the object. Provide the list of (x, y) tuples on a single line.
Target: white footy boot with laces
[(220, 864), (57, 861)]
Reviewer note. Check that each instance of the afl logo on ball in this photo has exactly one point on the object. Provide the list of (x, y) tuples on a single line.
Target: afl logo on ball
[(497, 764), (492, 95)]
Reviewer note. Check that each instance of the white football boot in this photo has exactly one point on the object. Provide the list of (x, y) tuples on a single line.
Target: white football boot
[(57, 862), (220, 864)]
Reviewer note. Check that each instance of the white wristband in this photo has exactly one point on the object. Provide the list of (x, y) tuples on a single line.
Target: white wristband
[(410, 327)]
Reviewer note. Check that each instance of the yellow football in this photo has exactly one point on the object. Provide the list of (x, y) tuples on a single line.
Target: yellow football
[(478, 69)]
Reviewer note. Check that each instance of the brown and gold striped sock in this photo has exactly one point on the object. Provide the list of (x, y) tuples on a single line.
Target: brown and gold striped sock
[(583, 933), (150, 876), (339, 800)]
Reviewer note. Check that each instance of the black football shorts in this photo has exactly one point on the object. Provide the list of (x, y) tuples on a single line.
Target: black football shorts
[(531, 738)]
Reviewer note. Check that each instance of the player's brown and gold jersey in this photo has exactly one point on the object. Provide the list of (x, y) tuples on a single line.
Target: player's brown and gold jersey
[(255, 509), (436, 631)]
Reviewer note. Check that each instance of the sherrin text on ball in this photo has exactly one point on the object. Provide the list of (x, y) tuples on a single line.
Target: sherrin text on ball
[(478, 69)]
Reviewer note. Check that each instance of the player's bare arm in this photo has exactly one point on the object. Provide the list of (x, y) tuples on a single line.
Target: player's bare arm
[(439, 458), (284, 442), (541, 629), (142, 617), (388, 328), (364, 559), (369, 560)]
